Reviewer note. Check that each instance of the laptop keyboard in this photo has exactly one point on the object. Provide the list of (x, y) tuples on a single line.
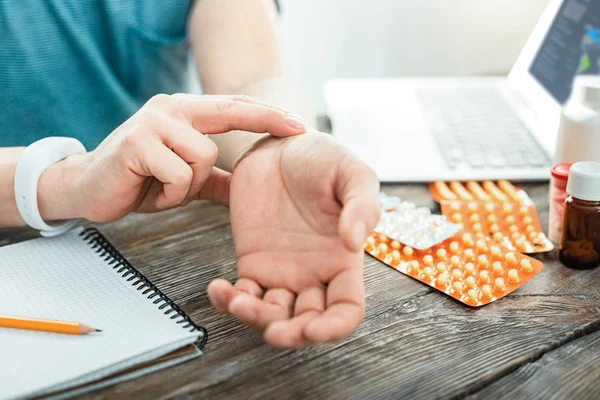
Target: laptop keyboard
[(478, 127)]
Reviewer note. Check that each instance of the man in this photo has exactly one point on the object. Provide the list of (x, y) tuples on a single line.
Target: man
[(301, 204)]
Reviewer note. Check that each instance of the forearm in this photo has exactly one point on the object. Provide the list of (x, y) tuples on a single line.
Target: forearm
[(278, 91), (237, 52), (9, 214), (52, 188)]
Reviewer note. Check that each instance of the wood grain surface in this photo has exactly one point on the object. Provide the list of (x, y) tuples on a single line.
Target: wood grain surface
[(540, 341), (569, 372)]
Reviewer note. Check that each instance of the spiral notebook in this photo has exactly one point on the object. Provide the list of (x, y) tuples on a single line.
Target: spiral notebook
[(80, 276)]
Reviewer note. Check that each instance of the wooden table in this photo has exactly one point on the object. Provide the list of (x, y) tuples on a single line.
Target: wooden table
[(541, 341)]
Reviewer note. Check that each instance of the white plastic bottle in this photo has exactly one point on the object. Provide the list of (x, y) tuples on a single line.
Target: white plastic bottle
[(579, 129)]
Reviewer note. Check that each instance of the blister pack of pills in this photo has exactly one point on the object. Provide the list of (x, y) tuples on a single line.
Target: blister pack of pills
[(413, 226), (470, 268), (499, 210)]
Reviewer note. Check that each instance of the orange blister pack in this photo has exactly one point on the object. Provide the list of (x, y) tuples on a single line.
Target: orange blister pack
[(500, 210), (468, 267)]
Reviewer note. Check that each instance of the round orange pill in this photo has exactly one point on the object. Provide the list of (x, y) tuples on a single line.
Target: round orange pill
[(513, 275), (472, 295), (498, 236), (469, 268), (483, 261), (371, 240), (521, 244), (469, 254), (467, 237), (395, 255), (383, 238), (497, 268), (454, 260), (482, 245), (489, 207), (472, 207), (499, 285), (526, 265), (486, 291), (494, 228), (524, 210), (513, 228), (495, 252), (484, 276), (474, 218), (507, 208), (395, 245), (510, 220), (456, 274), (457, 287), (382, 248), (533, 235), (515, 235), (442, 279), (456, 217), (408, 251), (454, 247), (476, 227), (413, 267), (470, 282), (455, 206), (441, 267), (414, 264), (529, 228), (441, 254), (492, 218), (428, 272), (510, 258), (527, 220), (428, 260)]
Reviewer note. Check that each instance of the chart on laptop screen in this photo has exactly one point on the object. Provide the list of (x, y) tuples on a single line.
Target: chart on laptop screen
[(571, 47)]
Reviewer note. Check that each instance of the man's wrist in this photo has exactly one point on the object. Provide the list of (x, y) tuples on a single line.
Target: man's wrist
[(57, 190), (267, 141), (251, 148), (233, 146)]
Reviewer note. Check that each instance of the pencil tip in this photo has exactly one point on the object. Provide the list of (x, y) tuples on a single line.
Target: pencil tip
[(98, 330)]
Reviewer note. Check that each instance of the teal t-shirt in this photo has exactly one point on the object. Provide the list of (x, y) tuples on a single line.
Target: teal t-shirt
[(80, 68)]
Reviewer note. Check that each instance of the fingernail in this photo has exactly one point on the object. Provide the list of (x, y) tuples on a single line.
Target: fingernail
[(294, 122), (359, 234), (239, 299), (239, 306)]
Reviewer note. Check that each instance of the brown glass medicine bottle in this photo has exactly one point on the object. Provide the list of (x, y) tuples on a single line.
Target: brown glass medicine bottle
[(580, 240)]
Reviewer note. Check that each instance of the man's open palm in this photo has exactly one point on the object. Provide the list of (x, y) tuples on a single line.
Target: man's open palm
[(301, 209)]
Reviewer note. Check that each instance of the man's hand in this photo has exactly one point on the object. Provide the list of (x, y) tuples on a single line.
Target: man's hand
[(301, 209), (158, 159)]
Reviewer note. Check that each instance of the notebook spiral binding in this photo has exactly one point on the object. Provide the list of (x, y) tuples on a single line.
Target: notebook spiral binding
[(123, 267)]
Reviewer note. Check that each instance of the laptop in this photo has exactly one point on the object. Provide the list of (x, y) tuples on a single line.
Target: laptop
[(425, 129)]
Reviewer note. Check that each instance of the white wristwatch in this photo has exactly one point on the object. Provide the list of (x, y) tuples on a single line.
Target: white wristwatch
[(36, 158)]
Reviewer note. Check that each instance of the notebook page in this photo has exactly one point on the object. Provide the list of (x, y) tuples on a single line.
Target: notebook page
[(63, 278)]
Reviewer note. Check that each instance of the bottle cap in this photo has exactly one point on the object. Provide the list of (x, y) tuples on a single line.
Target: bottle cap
[(561, 171), (584, 181), (586, 89)]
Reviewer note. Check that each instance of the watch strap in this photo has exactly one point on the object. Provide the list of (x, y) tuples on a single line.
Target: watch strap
[(32, 163)]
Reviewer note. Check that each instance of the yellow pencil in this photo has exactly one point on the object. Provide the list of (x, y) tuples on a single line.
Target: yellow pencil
[(71, 328)]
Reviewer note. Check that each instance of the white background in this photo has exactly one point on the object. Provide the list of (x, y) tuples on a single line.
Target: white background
[(322, 39)]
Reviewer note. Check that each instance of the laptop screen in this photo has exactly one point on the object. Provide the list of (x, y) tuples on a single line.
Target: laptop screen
[(571, 47)]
